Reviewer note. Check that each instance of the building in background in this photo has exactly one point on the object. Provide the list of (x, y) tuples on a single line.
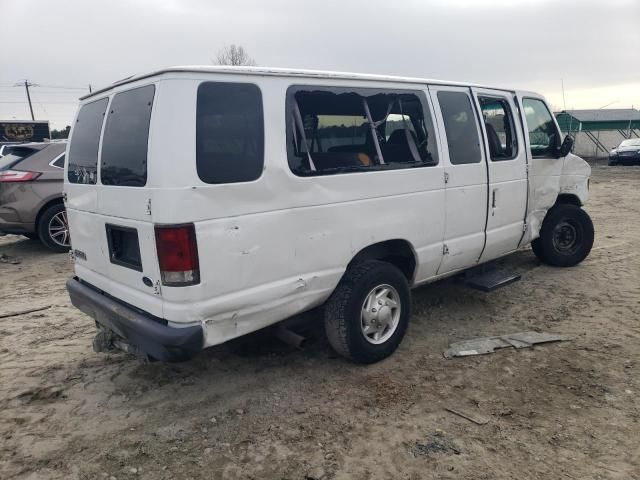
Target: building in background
[(596, 132), (24, 130)]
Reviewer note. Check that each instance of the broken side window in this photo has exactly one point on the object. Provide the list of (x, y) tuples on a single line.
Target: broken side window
[(339, 130), (500, 127)]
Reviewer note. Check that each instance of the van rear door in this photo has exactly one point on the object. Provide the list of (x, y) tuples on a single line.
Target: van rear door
[(108, 200)]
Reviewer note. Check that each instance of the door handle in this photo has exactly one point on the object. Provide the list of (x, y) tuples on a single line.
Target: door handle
[(493, 201)]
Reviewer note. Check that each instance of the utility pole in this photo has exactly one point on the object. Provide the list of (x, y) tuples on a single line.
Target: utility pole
[(26, 86), (89, 88)]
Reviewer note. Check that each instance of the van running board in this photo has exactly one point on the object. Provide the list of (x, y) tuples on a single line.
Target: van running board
[(488, 278)]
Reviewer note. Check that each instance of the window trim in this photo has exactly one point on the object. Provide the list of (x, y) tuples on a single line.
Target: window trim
[(526, 125), (264, 132), (422, 96), (505, 99)]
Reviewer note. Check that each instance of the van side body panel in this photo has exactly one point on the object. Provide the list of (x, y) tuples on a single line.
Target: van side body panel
[(279, 245)]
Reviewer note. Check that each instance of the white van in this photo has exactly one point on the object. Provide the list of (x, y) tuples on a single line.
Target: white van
[(205, 203)]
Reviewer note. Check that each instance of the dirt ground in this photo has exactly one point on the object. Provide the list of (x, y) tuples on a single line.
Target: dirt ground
[(258, 409)]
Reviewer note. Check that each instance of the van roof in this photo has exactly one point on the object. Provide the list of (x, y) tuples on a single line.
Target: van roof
[(285, 72)]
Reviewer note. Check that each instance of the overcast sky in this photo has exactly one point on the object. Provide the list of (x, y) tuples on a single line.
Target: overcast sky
[(593, 45)]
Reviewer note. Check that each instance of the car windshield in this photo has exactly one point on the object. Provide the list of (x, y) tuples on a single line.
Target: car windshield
[(631, 143)]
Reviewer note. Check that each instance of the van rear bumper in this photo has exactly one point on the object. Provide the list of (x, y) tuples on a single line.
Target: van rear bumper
[(151, 335)]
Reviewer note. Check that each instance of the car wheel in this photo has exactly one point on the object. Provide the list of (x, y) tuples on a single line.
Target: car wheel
[(566, 236), (612, 163), (53, 229), (367, 315)]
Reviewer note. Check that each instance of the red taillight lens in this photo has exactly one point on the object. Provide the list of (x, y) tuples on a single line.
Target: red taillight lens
[(17, 176), (178, 255)]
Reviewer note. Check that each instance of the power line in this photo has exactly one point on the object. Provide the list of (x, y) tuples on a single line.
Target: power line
[(62, 87)]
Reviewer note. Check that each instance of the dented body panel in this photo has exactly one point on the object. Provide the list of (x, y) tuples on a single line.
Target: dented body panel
[(277, 246)]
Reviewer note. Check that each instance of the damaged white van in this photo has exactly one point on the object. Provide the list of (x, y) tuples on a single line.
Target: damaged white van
[(205, 203)]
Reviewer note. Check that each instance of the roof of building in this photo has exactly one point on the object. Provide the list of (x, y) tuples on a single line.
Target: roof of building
[(605, 115), (24, 121), (286, 72)]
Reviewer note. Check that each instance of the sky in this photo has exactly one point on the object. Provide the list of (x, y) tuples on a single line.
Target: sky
[(63, 46)]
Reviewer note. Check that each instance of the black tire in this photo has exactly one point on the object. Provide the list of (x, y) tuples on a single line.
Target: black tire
[(44, 232), (566, 236), (612, 163), (343, 319)]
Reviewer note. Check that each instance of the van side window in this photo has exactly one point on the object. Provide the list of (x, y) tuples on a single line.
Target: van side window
[(126, 138), (461, 128), (83, 152), (339, 130), (500, 128), (229, 132), (543, 135)]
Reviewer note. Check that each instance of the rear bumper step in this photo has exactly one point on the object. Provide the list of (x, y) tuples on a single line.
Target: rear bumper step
[(159, 341)]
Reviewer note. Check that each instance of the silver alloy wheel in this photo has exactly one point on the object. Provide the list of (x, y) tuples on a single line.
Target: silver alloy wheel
[(380, 314), (59, 229)]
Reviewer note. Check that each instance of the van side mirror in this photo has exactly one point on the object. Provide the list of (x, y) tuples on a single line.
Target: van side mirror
[(565, 148)]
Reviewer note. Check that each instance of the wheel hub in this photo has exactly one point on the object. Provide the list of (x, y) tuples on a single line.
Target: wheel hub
[(380, 314), (565, 237), (59, 229)]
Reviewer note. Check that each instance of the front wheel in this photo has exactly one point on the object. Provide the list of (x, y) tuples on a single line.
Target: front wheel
[(367, 315), (566, 236)]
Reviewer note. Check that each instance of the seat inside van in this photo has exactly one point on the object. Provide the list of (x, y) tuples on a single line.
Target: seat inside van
[(339, 130)]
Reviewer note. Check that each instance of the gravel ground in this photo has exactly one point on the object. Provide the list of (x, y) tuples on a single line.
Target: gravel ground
[(258, 409)]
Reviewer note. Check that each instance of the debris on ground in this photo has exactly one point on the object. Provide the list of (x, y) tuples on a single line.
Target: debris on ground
[(436, 443), (4, 258), (484, 345), (23, 312), (477, 419)]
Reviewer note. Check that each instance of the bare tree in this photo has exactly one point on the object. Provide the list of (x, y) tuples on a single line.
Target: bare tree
[(234, 55)]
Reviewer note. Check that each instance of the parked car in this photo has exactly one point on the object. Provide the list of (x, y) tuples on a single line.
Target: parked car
[(627, 153), (31, 181), (205, 203)]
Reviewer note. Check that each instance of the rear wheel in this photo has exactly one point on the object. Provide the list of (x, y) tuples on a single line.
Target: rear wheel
[(53, 229), (566, 236), (612, 163), (367, 315)]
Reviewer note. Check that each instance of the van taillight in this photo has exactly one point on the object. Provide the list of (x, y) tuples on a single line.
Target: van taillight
[(178, 255)]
